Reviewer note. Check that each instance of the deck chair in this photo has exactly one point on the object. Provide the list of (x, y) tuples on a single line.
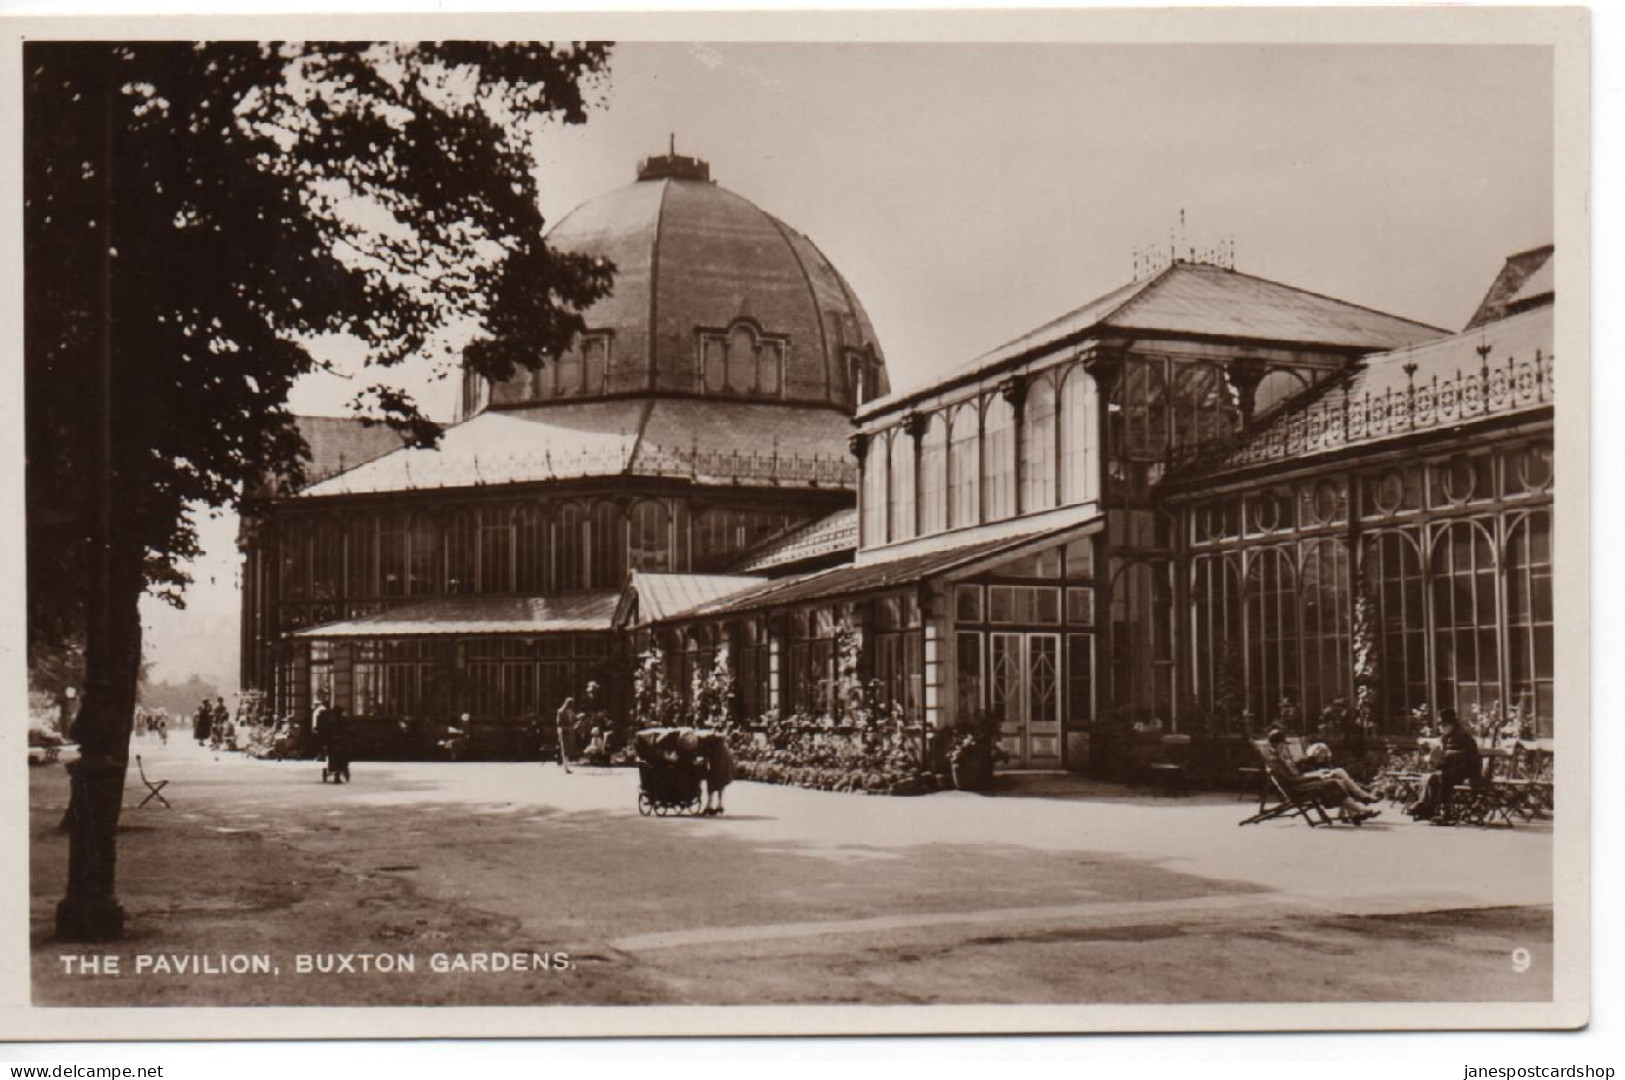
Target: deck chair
[(1306, 801), (154, 791)]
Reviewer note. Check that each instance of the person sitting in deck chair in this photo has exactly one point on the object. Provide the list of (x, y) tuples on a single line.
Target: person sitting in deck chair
[(1301, 785), (1319, 760)]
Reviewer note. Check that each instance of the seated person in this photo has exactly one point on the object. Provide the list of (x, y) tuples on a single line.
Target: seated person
[(1319, 759), (597, 751), (1457, 759), (1301, 785)]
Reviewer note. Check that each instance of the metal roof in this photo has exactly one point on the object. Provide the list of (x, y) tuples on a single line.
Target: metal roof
[(829, 535), (765, 444), (669, 596), (851, 580), (1209, 301), (1516, 282), (561, 613)]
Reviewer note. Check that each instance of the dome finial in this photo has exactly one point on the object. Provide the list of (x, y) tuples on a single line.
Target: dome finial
[(673, 165)]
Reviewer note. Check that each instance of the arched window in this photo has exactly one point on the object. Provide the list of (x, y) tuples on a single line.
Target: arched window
[(1466, 662), (740, 360), (901, 485), (1272, 637), (608, 563), (716, 538), (496, 549), (1142, 659), (1038, 446), (530, 551), (570, 547), (1080, 437), (934, 476), (1204, 407), (964, 465), (1392, 572), (1530, 644), (1325, 621), (595, 361), (999, 459), (1218, 612), (460, 552), (876, 464), (651, 537)]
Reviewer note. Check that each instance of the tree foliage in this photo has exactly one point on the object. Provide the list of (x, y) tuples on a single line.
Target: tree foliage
[(218, 205)]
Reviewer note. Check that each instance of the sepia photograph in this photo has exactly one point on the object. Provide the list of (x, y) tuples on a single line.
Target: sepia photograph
[(1012, 528)]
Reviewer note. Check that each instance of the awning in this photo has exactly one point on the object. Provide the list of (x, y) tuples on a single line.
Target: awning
[(661, 597), (564, 613), (949, 561)]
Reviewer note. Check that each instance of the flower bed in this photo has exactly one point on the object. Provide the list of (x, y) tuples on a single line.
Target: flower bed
[(871, 755)]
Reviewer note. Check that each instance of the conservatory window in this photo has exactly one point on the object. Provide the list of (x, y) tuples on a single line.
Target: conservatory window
[(999, 459), (964, 477), (608, 564), (1079, 437), (1530, 645), (530, 553), (496, 549), (1465, 647), (570, 548), (1393, 573), (740, 360), (902, 485), (873, 511), (651, 534), (934, 476), (1038, 446), (1325, 621)]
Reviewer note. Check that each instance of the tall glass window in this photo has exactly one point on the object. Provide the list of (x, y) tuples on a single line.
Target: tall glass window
[(459, 552), (934, 476), (651, 537), (1217, 610), (496, 549), (999, 459), (392, 555), (876, 464), (569, 547), (1038, 446), (1466, 664), (1323, 593), (964, 465), (1272, 636), (608, 564), (530, 549), (1080, 422), (1530, 644), (1392, 572), (901, 485), (423, 560)]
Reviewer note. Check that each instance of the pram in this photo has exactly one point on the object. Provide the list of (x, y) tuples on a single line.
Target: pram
[(669, 772)]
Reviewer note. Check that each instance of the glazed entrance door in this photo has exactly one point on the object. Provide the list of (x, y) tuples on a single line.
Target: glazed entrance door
[(1026, 697)]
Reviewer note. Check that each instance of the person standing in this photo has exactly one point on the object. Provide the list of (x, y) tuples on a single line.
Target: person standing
[(203, 722), (336, 741), (566, 724)]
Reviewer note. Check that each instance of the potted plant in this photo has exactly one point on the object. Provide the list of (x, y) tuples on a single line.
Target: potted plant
[(974, 752)]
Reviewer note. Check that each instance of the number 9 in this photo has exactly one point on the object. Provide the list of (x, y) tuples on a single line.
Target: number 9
[(1521, 960)]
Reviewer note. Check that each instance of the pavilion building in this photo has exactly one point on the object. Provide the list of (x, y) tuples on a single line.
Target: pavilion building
[(1203, 501)]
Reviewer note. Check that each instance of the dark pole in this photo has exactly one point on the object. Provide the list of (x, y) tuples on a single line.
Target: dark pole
[(90, 911)]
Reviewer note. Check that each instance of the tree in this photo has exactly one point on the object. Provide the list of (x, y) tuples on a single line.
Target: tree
[(195, 213)]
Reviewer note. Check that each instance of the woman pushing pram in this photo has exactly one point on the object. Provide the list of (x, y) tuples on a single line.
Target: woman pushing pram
[(673, 763)]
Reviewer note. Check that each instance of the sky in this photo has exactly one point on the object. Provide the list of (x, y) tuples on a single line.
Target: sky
[(971, 192)]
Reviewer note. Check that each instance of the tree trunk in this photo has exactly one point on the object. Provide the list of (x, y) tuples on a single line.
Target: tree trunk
[(90, 910)]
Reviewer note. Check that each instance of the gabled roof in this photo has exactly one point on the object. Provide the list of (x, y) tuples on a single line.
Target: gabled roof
[(1195, 299), (561, 613), (1502, 368), (708, 442), (1524, 277), (668, 596), (829, 536)]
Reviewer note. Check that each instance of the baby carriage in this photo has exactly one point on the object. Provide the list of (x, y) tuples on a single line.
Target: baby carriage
[(668, 773)]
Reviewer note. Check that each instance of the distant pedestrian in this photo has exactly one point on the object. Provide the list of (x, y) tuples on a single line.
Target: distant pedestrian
[(566, 723), (203, 722), (334, 734)]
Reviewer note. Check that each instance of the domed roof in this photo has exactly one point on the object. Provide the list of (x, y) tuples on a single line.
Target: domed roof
[(712, 297)]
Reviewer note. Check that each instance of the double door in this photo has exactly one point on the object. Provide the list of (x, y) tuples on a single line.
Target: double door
[(1026, 697)]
